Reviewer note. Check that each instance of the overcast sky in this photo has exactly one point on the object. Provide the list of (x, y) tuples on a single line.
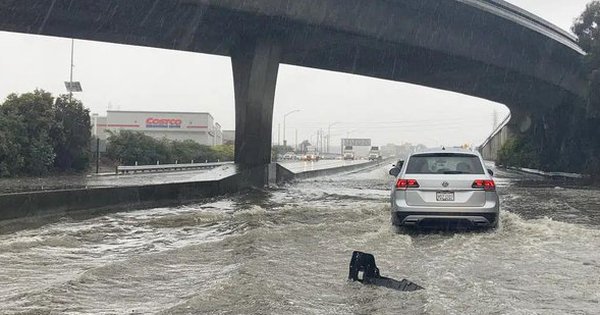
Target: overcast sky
[(136, 78)]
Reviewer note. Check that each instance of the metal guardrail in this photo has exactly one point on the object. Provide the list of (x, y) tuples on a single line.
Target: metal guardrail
[(124, 169), (496, 131), (530, 20), (534, 18)]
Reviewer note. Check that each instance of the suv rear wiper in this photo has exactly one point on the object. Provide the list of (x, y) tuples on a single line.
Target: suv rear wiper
[(456, 172)]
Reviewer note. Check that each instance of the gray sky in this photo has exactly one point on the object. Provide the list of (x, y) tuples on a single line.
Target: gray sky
[(136, 78)]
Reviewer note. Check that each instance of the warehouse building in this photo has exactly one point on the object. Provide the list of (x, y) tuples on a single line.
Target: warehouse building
[(199, 127)]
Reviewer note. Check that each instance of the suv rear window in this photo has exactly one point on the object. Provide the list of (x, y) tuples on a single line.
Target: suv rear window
[(444, 163)]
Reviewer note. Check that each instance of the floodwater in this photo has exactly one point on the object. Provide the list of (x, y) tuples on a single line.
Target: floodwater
[(286, 251)]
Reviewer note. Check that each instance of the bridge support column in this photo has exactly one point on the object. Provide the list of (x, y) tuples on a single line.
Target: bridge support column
[(255, 64), (519, 123)]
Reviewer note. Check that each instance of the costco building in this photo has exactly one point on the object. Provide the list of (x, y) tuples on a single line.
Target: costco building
[(199, 127)]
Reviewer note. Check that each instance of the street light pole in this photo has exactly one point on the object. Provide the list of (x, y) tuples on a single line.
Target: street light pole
[(71, 77), (329, 134), (284, 117)]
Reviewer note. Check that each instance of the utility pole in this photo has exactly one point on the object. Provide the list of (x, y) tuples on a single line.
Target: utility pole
[(329, 134), (97, 154), (319, 141), (70, 85), (296, 146), (71, 76), (322, 142), (284, 117), (279, 134)]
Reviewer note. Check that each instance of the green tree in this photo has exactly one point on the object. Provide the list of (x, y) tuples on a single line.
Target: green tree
[(586, 27), (34, 112), (587, 126), (518, 152), (11, 158), (71, 134), (128, 147), (224, 152), (185, 151)]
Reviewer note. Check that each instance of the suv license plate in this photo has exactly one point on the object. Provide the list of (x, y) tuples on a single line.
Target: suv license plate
[(444, 196)]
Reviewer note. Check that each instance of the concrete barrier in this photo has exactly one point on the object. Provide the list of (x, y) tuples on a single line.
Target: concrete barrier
[(124, 169), (63, 202), (112, 199), (284, 174)]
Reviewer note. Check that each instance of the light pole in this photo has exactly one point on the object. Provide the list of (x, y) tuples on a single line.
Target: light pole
[(329, 134), (284, 117), (71, 76), (72, 86)]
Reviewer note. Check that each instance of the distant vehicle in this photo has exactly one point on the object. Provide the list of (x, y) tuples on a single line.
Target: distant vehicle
[(311, 154), (374, 154), (289, 156), (448, 185), (328, 156), (348, 153)]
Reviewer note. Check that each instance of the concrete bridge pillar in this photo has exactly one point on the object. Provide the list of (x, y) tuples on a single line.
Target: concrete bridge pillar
[(519, 123), (255, 64)]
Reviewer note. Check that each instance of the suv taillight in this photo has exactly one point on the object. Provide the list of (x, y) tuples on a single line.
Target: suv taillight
[(486, 184), (403, 184)]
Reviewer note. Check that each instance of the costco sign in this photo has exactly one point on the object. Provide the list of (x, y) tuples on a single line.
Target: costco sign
[(163, 123)]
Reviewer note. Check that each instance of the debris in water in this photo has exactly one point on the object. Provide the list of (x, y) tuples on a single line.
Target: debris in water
[(365, 263)]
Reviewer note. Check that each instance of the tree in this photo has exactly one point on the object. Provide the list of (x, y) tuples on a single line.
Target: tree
[(518, 152), (586, 27), (128, 147), (11, 158), (304, 145), (71, 134), (224, 152), (39, 134), (185, 151), (34, 112)]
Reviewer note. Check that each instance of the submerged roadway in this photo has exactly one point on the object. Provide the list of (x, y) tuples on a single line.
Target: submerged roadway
[(286, 251)]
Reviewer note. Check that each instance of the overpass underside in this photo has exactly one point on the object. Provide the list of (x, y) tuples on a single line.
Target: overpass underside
[(449, 45)]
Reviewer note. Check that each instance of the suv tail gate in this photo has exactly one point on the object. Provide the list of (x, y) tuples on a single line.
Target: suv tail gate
[(447, 191)]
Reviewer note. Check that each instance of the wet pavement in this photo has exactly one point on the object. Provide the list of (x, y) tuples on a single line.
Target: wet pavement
[(304, 166), (27, 184), (286, 251)]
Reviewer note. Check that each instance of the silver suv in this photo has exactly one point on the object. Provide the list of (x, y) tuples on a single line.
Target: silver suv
[(444, 186)]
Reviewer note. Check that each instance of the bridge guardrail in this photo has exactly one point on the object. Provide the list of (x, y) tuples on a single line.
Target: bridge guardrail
[(495, 132), (124, 169), (535, 22)]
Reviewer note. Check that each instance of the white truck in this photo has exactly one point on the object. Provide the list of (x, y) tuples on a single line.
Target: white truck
[(348, 153), (374, 154)]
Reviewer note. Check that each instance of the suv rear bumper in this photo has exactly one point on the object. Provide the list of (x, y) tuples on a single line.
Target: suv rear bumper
[(421, 219), (485, 215)]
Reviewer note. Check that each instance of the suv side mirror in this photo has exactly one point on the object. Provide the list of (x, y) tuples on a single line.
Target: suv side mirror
[(395, 171), (491, 172)]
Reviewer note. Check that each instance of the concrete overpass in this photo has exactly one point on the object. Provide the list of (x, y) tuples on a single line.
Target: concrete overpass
[(484, 48)]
